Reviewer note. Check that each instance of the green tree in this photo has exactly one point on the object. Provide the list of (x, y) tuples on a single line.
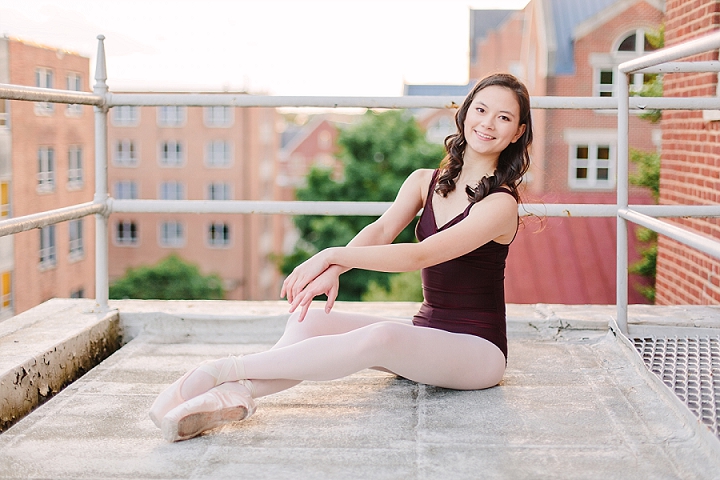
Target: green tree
[(406, 286), (170, 279), (377, 155)]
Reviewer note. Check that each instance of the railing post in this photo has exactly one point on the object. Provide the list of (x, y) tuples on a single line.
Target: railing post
[(623, 154), (101, 187)]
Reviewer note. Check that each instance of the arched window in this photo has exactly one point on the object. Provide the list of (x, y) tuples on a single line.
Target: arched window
[(634, 43)]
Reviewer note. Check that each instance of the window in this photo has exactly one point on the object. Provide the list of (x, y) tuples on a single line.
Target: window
[(125, 153), (4, 199), (74, 83), (126, 233), (171, 116), (75, 166), (46, 169), (171, 234), (44, 79), (79, 293), (172, 191), (605, 84), (76, 238), (633, 44), (125, 190), (591, 165), (3, 112), (219, 191), (125, 116), (218, 116), (219, 234), (47, 246), (217, 153), (6, 300), (171, 153)]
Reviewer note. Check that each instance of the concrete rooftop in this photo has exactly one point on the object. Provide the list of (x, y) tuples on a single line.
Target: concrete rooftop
[(576, 402)]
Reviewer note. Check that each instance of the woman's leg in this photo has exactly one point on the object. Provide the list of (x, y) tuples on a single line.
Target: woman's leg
[(424, 355), (421, 354), (316, 323)]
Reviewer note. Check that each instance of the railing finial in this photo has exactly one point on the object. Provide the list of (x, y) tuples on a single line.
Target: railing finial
[(100, 69)]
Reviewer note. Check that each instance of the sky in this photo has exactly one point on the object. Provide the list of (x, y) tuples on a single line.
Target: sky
[(274, 47)]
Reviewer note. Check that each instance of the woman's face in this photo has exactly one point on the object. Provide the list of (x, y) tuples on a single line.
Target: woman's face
[(492, 121)]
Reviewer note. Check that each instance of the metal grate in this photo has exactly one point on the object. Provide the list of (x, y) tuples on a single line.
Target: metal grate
[(690, 367)]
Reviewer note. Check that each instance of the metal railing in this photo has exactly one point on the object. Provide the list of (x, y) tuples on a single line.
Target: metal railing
[(646, 215)]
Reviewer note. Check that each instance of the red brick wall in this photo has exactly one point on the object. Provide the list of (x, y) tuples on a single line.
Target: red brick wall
[(690, 171)]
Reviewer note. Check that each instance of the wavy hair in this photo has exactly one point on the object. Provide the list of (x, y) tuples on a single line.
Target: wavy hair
[(514, 160)]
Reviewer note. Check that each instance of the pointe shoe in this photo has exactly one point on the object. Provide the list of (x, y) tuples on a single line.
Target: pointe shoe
[(220, 405), (171, 397)]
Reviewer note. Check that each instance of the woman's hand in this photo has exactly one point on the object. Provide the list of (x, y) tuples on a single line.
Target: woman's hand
[(327, 283), (305, 273)]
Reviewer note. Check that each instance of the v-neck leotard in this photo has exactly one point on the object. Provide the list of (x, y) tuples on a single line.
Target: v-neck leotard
[(465, 294)]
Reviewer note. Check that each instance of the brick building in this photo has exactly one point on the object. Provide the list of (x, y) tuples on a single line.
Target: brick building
[(568, 48), (46, 162), (690, 162), (197, 153)]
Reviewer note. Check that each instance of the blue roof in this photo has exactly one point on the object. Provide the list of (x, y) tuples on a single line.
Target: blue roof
[(481, 23), (566, 15), (439, 90)]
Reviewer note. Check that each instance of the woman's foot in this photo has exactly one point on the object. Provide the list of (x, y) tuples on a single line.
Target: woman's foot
[(197, 381), (229, 402)]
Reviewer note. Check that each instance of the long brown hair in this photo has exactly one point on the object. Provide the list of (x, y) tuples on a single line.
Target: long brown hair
[(514, 160)]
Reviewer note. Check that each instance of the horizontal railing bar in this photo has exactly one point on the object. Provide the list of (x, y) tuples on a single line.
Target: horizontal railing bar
[(682, 67), (676, 52), (378, 208), (686, 237), (50, 217), (35, 94), (594, 103)]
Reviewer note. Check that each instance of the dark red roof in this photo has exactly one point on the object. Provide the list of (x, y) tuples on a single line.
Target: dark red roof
[(569, 260)]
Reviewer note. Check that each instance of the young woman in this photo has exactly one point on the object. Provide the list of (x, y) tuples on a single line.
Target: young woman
[(457, 340)]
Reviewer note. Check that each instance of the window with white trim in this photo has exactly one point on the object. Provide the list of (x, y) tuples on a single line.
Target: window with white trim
[(170, 116), (592, 165), (74, 84), (218, 116), (125, 153), (44, 79), (633, 44), (172, 190), (219, 234), (219, 191), (47, 246), (171, 153), (125, 190), (171, 234), (126, 233), (46, 169), (75, 166), (77, 248), (217, 153), (125, 116)]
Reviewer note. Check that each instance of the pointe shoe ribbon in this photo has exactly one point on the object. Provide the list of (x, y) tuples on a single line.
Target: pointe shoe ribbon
[(222, 404)]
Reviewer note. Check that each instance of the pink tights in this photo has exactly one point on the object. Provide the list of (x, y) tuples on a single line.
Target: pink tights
[(329, 346)]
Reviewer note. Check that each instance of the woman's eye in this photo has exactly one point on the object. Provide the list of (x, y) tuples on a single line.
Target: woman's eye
[(480, 110), (503, 117)]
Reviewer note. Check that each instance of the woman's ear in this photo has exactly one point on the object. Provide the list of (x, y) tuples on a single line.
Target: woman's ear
[(519, 133)]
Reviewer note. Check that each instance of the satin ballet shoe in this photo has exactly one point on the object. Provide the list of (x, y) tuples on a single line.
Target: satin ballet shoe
[(221, 405), (171, 396)]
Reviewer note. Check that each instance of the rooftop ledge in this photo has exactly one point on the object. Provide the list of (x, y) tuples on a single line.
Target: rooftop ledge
[(576, 400)]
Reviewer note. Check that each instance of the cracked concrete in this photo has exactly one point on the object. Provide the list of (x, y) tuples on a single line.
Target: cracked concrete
[(576, 402)]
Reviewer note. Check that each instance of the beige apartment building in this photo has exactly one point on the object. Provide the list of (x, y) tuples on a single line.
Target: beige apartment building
[(46, 162), (197, 153)]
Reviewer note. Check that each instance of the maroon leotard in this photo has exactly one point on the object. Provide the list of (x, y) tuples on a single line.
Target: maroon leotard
[(465, 294)]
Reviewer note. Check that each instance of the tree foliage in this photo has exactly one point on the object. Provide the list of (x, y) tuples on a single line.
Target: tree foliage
[(170, 279), (377, 155)]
